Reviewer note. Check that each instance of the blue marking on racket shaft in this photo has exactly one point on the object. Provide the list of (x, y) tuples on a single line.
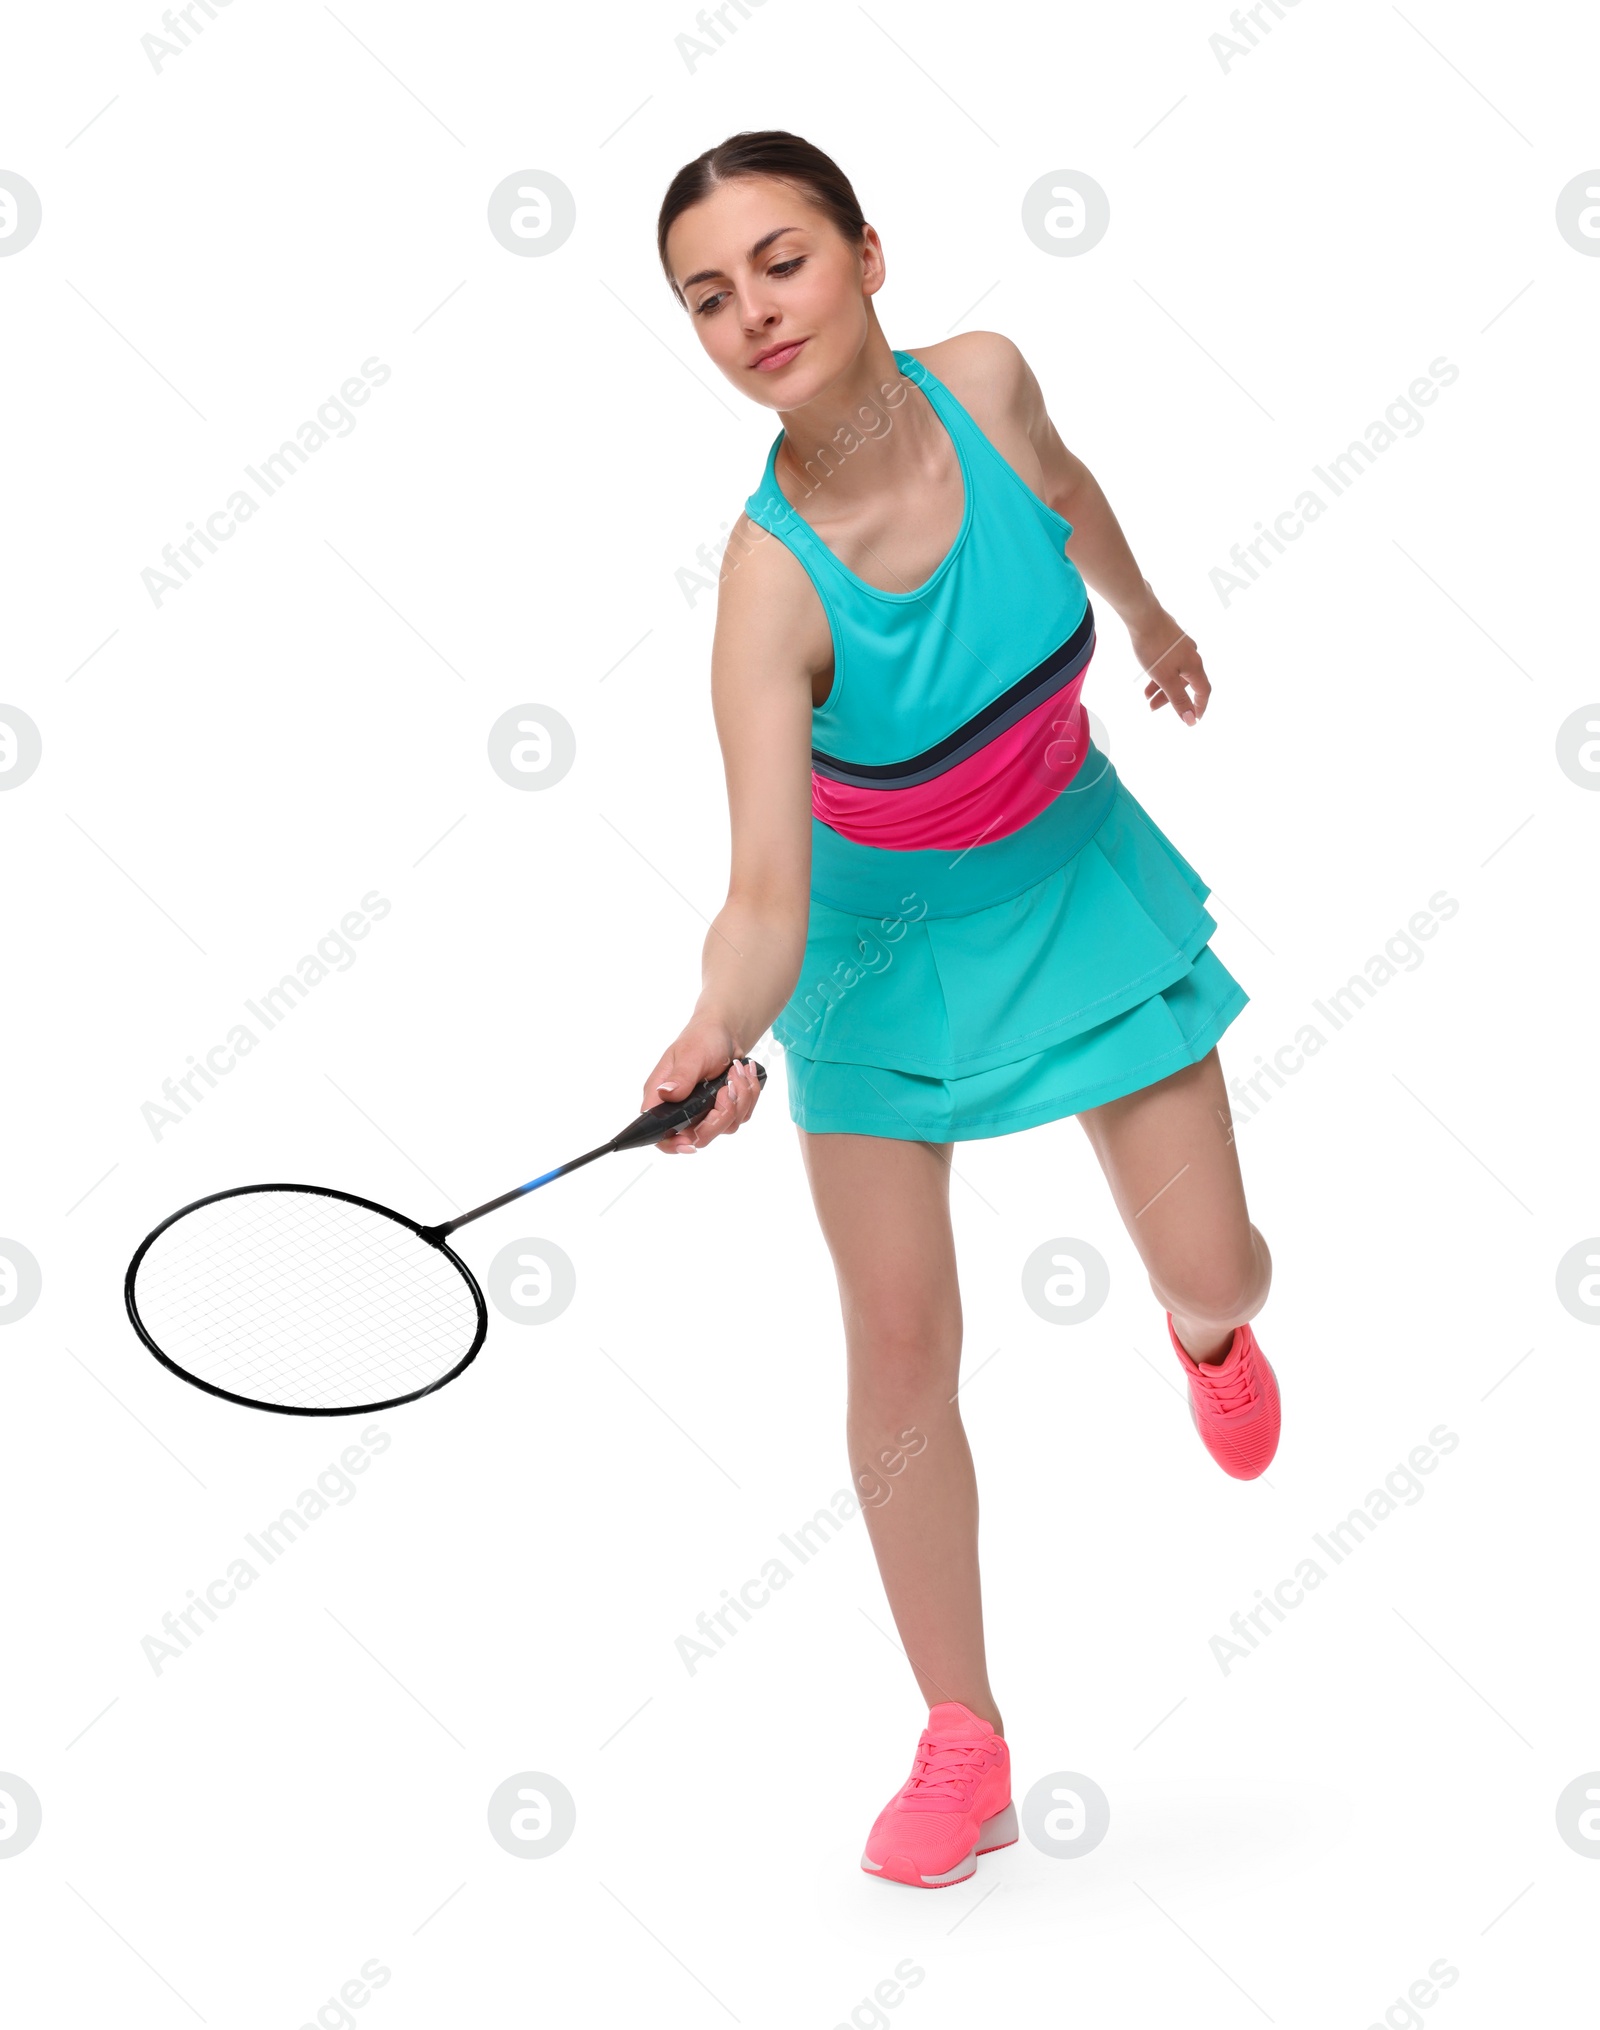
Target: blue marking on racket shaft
[(438, 1234), (651, 1126)]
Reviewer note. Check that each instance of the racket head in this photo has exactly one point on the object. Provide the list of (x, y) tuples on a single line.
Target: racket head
[(216, 1301)]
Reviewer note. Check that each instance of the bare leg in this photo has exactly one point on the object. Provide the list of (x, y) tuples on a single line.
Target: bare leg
[(1168, 1154), (884, 1209)]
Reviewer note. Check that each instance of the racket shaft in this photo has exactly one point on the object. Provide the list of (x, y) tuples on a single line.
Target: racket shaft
[(439, 1233), (649, 1127)]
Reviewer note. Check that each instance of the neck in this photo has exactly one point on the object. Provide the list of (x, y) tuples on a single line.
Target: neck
[(866, 409)]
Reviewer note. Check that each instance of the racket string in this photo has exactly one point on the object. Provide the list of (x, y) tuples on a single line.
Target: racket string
[(304, 1300)]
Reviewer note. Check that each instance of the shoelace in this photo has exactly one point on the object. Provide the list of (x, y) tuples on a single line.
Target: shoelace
[(942, 1767), (1230, 1391)]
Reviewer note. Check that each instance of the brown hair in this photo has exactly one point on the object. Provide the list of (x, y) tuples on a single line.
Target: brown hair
[(769, 152)]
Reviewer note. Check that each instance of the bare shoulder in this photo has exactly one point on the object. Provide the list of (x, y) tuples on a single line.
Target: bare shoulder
[(987, 374), (989, 377), (766, 602), (759, 573)]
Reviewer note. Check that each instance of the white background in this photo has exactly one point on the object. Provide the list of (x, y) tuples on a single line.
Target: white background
[(1293, 240)]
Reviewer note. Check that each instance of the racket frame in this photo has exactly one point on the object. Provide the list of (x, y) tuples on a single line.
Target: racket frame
[(430, 1235)]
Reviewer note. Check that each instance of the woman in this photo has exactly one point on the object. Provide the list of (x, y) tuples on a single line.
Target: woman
[(953, 915)]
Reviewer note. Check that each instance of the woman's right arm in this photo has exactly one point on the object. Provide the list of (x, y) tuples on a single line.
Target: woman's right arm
[(771, 637)]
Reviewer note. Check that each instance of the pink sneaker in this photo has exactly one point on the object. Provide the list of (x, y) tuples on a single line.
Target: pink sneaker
[(1234, 1403), (954, 1806)]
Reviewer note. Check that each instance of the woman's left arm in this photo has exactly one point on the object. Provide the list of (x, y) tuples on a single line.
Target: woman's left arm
[(1167, 654)]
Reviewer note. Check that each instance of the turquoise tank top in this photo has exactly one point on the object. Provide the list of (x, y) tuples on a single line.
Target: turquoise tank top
[(953, 723)]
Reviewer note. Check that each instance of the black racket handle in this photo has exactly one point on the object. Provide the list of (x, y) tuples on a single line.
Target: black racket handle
[(671, 1115)]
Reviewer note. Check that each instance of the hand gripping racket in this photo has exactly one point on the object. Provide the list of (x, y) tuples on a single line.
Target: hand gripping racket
[(317, 1303)]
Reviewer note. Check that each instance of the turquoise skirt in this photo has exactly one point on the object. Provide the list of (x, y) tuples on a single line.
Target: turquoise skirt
[(951, 996)]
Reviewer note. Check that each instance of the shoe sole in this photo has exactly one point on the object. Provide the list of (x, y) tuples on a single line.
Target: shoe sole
[(994, 1833)]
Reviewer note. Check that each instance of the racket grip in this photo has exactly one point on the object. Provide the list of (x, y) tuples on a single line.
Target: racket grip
[(671, 1115)]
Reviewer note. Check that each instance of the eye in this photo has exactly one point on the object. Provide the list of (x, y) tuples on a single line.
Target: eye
[(787, 267)]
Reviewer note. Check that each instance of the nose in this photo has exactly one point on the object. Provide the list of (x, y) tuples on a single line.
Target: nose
[(757, 312)]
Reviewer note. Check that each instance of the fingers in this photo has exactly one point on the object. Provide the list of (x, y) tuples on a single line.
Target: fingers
[(665, 1082), (1188, 688), (733, 1106), (675, 1077), (672, 1079)]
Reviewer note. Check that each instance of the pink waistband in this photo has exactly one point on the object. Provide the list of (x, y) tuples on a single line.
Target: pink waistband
[(992, 792)]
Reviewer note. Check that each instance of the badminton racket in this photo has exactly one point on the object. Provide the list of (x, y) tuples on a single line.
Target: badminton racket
[(317, 1303)]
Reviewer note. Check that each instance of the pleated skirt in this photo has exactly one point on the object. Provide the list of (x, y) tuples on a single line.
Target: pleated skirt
[(952, 996)]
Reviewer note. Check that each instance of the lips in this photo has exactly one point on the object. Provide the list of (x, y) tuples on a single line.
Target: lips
[(780, 356)]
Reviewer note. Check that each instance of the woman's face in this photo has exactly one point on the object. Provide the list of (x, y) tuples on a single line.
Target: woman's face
[(776, 294)]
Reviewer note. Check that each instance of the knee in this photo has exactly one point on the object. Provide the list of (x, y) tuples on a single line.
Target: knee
[(901, 1358), (1225, 1288)]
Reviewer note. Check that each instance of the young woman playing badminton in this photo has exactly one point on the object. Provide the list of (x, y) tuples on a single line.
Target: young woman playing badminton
[(955, 918)]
